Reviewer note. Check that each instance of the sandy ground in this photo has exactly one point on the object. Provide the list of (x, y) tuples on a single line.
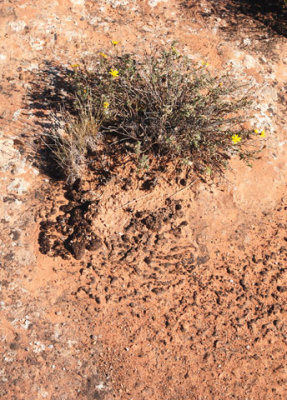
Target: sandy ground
[(182, 292)]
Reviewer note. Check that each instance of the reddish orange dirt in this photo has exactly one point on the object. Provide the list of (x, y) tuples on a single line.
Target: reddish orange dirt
[(147, 287)]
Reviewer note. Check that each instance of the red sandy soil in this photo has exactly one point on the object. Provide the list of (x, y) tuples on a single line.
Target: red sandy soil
[(182, 294)]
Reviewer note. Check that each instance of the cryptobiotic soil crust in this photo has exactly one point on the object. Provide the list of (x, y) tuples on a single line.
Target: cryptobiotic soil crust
[(149, 287)]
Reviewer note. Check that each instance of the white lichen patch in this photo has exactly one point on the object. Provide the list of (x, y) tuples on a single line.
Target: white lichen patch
[(154, 3), (9, 356), (72, 35), (33, 66), (19, 168), (249, 61), (17, 26), (19, 186), (38, 347), (36, 43), (25, 325), (3, 377), (119, 3), (16, 115), (8, 154), (43, 393), (101, 386), (78, 2)]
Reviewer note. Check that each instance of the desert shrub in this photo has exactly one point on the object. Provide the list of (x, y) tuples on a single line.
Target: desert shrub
[(70, 142), (160, 108)]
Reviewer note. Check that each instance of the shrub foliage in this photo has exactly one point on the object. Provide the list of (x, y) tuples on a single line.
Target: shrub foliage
[(160, 108)]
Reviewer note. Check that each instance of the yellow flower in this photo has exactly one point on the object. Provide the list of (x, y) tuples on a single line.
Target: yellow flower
[(115, 42), (204, 63), (208, 171), (175, 52), (236, 139), (114, 73), (103, 55), (220, 83), (106, 104), (261, 134), (75, 66)]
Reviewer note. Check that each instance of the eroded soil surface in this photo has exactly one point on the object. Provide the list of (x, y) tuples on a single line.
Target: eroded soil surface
[(142, 286)]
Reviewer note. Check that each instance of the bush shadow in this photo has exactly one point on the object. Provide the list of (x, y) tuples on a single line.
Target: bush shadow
[(271, 13), (50, 91), (51, 96)]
